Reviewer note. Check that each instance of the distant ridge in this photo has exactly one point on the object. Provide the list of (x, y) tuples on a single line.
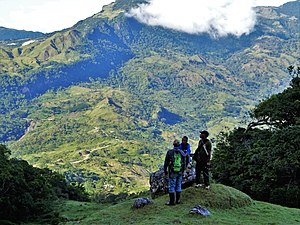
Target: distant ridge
[(7, 34)]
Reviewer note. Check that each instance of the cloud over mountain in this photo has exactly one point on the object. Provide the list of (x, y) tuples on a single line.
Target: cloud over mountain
[(218, 17)]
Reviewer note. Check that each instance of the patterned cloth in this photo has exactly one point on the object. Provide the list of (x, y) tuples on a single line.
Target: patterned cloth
[(198, 209), (141, 202)]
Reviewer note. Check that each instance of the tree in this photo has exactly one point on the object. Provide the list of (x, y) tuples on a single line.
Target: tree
[(27, 192), (265, 162), (280, 110)]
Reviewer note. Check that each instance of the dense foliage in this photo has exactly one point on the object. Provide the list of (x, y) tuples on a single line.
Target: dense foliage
[(27, 192), (265, 163)]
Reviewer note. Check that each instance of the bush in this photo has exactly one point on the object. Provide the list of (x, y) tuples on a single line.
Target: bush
[(27, 192), (263, 164)]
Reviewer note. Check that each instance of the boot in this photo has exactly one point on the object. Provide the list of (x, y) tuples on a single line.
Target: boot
[(172, 199), (178, 197)]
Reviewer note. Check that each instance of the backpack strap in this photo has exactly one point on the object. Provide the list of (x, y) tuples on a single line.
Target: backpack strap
[(204, 146)]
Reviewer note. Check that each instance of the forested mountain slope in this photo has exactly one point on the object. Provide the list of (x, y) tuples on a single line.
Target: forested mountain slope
[(112, 87)]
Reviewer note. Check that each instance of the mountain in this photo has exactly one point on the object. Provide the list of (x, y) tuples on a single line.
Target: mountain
[(291, 9), (102, 100), (7, 34)]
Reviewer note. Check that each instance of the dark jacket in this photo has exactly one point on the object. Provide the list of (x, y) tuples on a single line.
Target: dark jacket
[(169, 160), (203, 152)]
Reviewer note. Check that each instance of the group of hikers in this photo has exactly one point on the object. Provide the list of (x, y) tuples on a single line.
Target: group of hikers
[(178, 159)]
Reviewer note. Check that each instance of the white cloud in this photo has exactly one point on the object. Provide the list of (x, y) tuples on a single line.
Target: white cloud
[(52, 15), (216, 17), (28, 42), (47, 15)]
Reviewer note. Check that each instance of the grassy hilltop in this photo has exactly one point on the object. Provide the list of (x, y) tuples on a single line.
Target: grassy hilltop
[(227, 206)]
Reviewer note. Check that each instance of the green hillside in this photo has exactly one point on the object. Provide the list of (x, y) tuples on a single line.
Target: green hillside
[(101, 101), (227, 206), (90, 133), (110, 46)]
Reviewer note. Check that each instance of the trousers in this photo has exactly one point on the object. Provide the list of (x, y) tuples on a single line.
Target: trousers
[(175, 180), (201, 167)]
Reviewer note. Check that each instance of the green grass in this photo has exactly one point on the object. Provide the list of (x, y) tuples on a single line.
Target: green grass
[(241, 210), (108, 12)]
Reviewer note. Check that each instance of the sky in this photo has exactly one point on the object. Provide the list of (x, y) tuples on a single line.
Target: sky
[(47, 15), (52, 15)]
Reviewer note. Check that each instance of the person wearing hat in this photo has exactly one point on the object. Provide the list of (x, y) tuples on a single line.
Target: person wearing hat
[(202, 157), (174, 166)]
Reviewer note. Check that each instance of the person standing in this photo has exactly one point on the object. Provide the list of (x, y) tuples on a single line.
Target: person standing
[(186, 148), (173, 167), (202, 157)]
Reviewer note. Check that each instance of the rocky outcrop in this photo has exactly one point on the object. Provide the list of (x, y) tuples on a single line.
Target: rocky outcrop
[(159, 182)]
